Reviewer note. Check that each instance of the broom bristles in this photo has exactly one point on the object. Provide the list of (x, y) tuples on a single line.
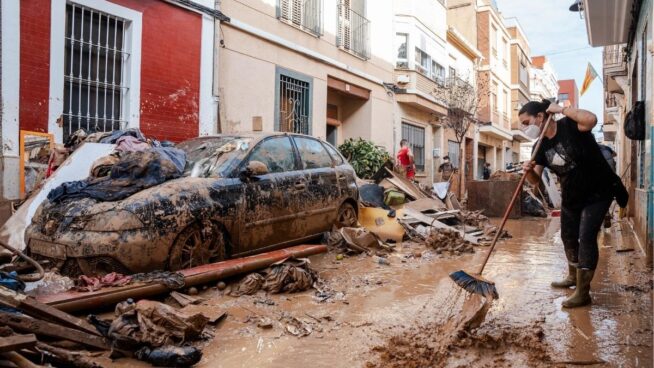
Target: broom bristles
[(475, 284)]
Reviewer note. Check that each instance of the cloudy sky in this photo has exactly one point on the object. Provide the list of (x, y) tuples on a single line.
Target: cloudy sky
[(560, 34)]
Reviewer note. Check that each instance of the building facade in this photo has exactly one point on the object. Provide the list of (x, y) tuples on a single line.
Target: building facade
[(626, 33), (102, 65), (520, 92), (543, 81), (568, 93)]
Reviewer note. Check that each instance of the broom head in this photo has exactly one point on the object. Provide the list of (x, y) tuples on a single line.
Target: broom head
[(475, 284)]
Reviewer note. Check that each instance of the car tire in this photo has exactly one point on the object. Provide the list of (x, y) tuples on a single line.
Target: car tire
[(197, 245), (347, 216)]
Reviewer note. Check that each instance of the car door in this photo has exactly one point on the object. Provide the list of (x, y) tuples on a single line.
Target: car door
[(266, 217), (321, 200)]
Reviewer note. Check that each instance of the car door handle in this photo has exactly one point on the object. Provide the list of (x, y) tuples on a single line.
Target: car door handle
[(300, 185)]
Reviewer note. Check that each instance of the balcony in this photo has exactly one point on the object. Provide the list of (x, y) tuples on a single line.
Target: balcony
[(303, 14), (495, 118), (353, 31), (416, 89), (609, 130), (614, 60), (505, 121)]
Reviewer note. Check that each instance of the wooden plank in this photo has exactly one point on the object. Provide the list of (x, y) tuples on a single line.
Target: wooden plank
[(425, 204), (405, 185), (17, 342), (43, 311), (437, 224), (43, 328)]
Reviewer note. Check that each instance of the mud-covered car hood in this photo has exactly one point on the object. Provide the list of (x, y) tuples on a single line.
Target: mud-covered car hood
[(163, 205)]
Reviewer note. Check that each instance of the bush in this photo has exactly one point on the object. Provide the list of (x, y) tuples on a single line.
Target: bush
[(365, 157)]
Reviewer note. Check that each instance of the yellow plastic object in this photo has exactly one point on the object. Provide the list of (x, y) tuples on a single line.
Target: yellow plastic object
[(377, 222)]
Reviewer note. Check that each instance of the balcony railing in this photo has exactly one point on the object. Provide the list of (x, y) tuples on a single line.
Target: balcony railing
[(505, 121), (614, 61), (495, 118), (303, 14), (611, 101), (353, 31)]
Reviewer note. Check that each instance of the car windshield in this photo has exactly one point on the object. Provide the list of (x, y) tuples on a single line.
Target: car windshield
[(214, 157)]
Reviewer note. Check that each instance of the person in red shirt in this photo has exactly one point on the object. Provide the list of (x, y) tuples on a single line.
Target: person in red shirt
[(405, 160)]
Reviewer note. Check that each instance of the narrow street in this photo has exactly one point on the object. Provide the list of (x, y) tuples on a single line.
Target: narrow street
[(407, 297)]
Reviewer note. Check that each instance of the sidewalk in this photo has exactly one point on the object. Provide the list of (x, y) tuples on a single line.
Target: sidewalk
[(380, 306)]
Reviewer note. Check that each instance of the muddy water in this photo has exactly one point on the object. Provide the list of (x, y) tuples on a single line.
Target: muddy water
[(376, 303)]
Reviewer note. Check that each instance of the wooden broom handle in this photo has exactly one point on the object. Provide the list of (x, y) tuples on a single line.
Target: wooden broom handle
[(518, 189)]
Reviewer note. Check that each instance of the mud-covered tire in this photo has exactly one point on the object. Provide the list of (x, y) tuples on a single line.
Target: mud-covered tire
[(347, 216), (197, 245)]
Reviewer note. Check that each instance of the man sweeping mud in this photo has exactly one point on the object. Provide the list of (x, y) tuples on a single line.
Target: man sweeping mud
[(588, 186)]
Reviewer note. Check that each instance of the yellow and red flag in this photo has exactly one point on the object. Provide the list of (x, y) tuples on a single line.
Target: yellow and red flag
[(591, 74)]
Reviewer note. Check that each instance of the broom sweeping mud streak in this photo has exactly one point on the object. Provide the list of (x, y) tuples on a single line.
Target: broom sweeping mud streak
[(473, 282)]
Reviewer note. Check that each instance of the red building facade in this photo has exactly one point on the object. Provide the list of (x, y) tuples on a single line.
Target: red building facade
[(568, 93)]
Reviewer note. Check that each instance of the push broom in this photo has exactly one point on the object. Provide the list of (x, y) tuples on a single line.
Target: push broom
[(473, 282)]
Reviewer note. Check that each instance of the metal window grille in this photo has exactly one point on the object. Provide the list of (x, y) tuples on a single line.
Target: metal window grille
[(294, 105), (94, 83), (416, 137), (304, 14), (453, 152), (352, 30)]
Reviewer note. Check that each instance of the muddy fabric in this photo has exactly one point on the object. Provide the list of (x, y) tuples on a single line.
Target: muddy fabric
[(102, 166), (170, 356), (131, 144), (96, 137), (249, 285), (117, 134), (134, 172), (157, 324), (289, 276), (172, 280), (372, 195), (92, 283), (579, 228), (75, 139)]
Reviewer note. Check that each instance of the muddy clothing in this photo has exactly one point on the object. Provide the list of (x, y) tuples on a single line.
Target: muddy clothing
[(579, 228), (405, 161), (446, 169), (576, 159)]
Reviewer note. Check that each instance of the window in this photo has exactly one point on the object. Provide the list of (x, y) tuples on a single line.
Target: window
[(312, 153), (437, 72), (402, 40), (506, 102), (493, 40), (276, 154), (452, 73), (94, 84), (335, 155), (293, 97), (353, 28), (416, 137), (423, 62), (563, 97), (524, 74), (304, 14), (505, 52), (453, 152)]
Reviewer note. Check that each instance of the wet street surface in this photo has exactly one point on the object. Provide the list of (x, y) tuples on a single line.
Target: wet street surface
[(377, 314)]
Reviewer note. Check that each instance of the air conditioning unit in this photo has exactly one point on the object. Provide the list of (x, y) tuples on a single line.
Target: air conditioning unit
[(403, 78), (436, 152)]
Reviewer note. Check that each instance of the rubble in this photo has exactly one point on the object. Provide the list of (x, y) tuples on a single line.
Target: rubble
[(446, 240)]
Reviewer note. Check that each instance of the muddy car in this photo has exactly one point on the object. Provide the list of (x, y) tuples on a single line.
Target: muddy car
[(240, 195)]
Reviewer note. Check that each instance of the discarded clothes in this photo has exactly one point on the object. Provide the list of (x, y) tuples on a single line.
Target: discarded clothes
[(156, 324), (170, 356), (284, 276), (131, 144), (102, 166), (249, 285), (11, 281), (134, 172), (172, 280), (117, 134), (90, 283)]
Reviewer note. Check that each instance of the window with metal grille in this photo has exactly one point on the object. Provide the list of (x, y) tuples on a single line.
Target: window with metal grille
[(416, 137), (293, 97), (453, 152), (304, 14), (353, 28), (94, 83)]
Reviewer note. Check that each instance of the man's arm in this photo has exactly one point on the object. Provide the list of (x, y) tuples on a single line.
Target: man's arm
[(585, 119)]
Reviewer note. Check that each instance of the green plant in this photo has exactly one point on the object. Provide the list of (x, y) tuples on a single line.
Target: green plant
[(365, 157)]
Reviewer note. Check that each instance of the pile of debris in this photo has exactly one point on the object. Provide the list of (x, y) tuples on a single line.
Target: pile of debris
[(449, 241), (288, 275)]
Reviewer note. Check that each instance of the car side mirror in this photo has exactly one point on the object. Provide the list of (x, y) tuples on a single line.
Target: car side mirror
[(254, 168)]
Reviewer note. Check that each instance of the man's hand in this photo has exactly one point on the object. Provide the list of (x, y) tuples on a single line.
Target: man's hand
[(554, 109), (528, 166)]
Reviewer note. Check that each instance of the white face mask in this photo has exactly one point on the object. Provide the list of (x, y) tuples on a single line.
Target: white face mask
[(532, 131)]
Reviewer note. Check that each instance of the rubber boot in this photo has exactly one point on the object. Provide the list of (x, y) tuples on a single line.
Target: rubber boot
[(569, 281), (581, 295)]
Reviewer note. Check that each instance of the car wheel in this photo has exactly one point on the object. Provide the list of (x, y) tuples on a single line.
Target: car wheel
[(347, 216), (197, 245)]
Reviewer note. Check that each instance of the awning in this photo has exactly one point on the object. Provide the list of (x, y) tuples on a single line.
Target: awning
[(520, 136), (496, 132), (607, 21), (613, 86)]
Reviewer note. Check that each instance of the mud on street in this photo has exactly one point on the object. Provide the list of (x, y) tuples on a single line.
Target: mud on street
[(396, 314)]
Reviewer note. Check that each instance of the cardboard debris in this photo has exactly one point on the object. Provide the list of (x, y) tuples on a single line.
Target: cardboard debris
[(409, 215), (376, 221)]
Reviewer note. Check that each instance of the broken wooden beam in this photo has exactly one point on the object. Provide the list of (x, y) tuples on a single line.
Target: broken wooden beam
[(34, 308), (43, 328), (70, 301), (17, 342), (19, 360), (437, 224)]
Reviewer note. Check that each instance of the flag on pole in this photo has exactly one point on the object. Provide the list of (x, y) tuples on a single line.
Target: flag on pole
[(591, 74)]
